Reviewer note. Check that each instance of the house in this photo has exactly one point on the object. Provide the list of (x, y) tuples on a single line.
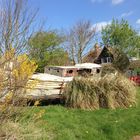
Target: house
[(99, 55), (107, 55), (91, 56)]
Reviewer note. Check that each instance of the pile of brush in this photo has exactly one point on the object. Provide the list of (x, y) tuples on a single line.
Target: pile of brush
[(111, 91)]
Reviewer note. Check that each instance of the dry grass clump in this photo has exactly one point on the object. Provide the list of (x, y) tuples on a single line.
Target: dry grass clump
[(16, 131), (80, 93), (111, 91), (15, 125)]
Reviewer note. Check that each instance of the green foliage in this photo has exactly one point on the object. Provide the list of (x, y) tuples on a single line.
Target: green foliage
[(60, 123), (121, 35), (57, 57), (121, 61), (45, 49)]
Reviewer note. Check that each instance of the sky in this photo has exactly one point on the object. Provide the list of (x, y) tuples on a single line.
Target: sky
[(63, 14)]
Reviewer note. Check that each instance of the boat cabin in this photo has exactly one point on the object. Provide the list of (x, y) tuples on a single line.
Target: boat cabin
[(76, 70)]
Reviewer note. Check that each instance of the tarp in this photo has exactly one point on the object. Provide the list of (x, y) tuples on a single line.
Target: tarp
[(87, 65)]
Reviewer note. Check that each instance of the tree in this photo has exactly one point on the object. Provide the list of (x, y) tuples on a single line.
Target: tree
[(121, 35), (15, 25), (15, 29), (121, 61), (57, 57), (44, 48), (78, 39)]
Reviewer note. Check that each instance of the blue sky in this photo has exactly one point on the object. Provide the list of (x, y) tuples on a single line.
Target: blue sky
[(64, 13)]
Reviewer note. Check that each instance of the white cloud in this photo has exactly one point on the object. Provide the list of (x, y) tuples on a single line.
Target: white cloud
[(116, 2), (127, 14), (138, 21), (98, 26)]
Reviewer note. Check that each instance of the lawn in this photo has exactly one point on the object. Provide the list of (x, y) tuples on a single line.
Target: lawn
[(60, 123)]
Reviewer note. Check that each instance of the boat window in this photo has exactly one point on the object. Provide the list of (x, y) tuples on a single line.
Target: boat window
[(98, 71), (70, 71)]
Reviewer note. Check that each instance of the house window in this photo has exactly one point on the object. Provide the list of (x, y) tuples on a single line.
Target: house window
[(109, 60), (106, 60)]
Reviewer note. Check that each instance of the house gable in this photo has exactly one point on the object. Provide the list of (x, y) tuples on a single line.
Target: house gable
[(106, 56), (99, 55)]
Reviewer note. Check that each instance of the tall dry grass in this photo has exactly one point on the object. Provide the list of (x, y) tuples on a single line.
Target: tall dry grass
[(18, 126), (111, 91)]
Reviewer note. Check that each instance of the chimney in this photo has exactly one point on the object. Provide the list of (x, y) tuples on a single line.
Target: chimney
[(97, 49)]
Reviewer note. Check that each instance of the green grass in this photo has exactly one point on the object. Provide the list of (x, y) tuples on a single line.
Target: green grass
[(69, 124), (60, 123)]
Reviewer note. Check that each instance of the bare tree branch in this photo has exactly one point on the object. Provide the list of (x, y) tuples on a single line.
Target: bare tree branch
[(78, 39), (15, 21)]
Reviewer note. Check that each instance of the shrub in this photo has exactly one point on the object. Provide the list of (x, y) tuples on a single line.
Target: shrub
[(15, 72), (111, 91)]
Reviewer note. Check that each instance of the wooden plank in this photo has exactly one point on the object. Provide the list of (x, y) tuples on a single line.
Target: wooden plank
[(43, 89), (47, 97)]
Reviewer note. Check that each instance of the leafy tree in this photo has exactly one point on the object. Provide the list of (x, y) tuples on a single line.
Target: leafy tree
[(44, 48), (121, 61), (121, 35)]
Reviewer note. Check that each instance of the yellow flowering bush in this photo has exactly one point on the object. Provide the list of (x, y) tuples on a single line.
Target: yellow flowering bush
[(23, 69), (16, 72)]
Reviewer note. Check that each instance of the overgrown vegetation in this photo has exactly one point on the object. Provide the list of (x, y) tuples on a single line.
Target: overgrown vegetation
[(15, 127), (60, 123), (111, 91), (15, 73)]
